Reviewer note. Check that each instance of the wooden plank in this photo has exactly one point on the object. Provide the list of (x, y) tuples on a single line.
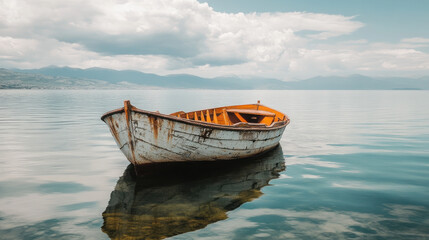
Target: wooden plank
[(177, 114), (252, 112), (208, 117), (202, 116), (225, 117), (215, 117)]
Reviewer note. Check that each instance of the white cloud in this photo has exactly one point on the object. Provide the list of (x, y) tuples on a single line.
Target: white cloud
[(185, 36), (415, 40), (27, 52)]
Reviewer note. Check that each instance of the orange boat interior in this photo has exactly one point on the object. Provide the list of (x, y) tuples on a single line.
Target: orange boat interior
[(233, 115)]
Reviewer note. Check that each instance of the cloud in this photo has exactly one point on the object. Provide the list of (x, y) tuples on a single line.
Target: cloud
[(415, 40), (111, 27), (27, 52), (181, 28), (186, 36)]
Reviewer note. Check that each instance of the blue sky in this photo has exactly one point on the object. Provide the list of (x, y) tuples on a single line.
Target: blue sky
[(283, 39)]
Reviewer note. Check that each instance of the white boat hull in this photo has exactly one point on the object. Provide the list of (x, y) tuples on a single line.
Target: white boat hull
[(149, 137)]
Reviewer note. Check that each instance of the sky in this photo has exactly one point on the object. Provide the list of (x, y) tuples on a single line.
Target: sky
[(282, 39)]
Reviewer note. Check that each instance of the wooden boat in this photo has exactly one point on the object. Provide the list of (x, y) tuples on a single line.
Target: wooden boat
[(187, 196), (223, 133)]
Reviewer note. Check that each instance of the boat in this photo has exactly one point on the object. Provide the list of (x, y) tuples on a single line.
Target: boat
[(223, 133), (175, 198)]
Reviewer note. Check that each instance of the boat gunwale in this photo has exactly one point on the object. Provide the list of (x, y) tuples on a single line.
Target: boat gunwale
[(284, 123)]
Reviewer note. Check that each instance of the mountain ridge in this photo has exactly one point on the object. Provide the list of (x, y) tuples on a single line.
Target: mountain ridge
[(102, 78)]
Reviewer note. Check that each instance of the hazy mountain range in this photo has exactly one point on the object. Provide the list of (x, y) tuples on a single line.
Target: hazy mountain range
[(101, 78)]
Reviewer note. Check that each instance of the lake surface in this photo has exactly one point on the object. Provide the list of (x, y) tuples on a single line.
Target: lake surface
[(352, 164)]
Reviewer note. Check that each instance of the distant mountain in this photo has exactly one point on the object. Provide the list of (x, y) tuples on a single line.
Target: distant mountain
[(101, 78), (136, 78), (19, 80)]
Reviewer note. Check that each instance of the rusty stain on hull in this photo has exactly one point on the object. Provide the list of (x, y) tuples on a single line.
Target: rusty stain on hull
[(154, 126), (151, 137), (113, 126), (127, 110), (170, 130)]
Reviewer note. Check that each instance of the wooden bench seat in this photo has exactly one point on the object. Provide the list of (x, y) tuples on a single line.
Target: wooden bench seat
[(251, 112)]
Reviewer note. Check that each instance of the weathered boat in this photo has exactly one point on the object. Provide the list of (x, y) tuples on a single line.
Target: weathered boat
[(186, 196), (223, 133)]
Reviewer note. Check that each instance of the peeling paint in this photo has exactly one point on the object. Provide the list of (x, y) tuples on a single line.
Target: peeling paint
[(205, 133), (154, 126), (170, 130), (128, 119), (113, 129)]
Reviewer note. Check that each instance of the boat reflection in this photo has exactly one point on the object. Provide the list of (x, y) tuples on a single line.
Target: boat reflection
[(171, 199)]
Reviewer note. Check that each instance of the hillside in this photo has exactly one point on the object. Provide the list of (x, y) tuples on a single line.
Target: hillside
[(101, 78), (141, 79)]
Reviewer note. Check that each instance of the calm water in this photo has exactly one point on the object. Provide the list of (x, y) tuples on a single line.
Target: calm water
[(357, 166)]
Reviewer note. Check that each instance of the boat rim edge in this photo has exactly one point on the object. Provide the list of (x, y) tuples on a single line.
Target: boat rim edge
[(193, 122)]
